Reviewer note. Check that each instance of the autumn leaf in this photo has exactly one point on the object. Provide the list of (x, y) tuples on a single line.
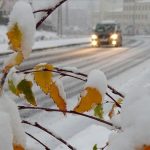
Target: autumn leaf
[(13, 60), (15, 38), (95, 147), (43, 78), (90, 98), (145, 147), (57, 98), (12, 88), (98, 111), (18, 147), (24, 87), (112, 111)]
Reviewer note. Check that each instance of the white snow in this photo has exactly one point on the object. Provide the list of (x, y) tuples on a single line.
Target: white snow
[(97, 79), (61, 90), (10, 108), (6, 136), (95, 134), (82, 141), (26, 23)]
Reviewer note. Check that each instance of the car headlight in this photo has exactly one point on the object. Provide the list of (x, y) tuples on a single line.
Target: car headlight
[(94, 37), (114, 36)]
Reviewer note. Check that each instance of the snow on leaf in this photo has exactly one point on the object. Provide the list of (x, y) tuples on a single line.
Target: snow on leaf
[(90, 98), (18, 147), (98, 111), (15, 37), (13, 60), (24, 87), (42, 77), (56, 96), (21, 28), (98, 80), (12, 87)]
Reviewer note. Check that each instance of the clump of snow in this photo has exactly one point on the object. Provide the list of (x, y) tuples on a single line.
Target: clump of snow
[(22, 16), (60, 86), (9, 107), (15, 77), (11, 60), (6, 136), (97, 79), (135, 121)]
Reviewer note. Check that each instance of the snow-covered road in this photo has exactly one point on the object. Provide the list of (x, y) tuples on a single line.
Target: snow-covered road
[(113, 61), (81, 132)]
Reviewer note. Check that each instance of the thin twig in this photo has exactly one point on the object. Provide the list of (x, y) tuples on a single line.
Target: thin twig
[(103, 148), (64, 72), (115, 91), (61, 72), (117, 104), (48, 12), (69, 112), (37, 125), (38, 141), (2, 81), (56, 71)]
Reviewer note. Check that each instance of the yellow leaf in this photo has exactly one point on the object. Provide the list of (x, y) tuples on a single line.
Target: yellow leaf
[(112, 111), (146, 147), (18, 147), (91, 97), (15, 59), (43, 78), (55, 95), (15, 38)]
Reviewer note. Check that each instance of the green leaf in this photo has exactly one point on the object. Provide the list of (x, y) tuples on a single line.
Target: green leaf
[(95, 147), (24, 87), (98, 111), (12, 87)]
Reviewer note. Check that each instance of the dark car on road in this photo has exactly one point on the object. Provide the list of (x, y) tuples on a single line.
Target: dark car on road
[(107, 33)]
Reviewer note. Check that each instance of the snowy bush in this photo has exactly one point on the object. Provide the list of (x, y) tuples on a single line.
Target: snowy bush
[(129, 120)]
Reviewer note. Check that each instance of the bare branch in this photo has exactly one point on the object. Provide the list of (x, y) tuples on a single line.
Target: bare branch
[(2, 81), (38, 141), (69, 112), (48, 12), (37, 125), (117, 104), (65, 72)]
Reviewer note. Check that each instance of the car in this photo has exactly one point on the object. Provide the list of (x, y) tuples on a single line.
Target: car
[(107, 33)]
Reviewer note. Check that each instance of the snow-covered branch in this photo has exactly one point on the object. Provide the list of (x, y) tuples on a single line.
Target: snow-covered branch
[(108, 124), (37, 125), (48, 12)]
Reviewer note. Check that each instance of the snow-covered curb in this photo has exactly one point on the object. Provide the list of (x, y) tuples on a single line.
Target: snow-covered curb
[(50, 44)]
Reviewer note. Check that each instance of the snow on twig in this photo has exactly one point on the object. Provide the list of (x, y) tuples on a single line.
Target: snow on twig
[(48, 12), (76, 75), (109, 124), (37, 141), (37, 125)]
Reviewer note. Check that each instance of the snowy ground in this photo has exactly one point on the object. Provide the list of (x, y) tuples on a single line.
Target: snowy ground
[(94, 133), (91, 132), (43, 39)]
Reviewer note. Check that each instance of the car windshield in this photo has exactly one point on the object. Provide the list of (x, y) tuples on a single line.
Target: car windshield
[(105, 28)]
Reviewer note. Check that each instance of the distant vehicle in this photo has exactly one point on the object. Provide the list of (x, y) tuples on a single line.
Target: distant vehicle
[(107, 33)]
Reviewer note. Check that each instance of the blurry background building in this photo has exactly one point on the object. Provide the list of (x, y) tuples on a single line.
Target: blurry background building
[(134, 17), (80, 16)]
